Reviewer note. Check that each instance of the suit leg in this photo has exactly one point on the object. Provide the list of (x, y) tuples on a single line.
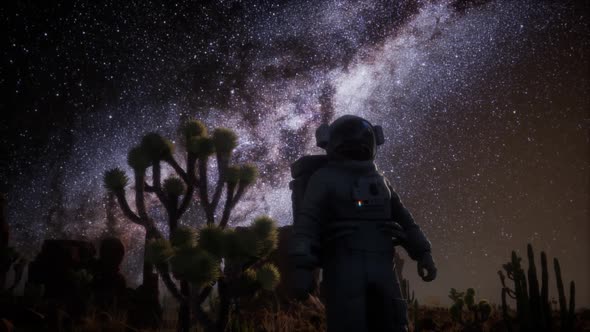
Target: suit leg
[(345, 282), (384, 296)]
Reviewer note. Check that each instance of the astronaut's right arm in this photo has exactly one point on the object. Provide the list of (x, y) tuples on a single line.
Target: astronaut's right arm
[(306, 240)]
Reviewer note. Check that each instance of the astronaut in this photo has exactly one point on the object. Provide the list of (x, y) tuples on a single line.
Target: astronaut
[(347, 220)]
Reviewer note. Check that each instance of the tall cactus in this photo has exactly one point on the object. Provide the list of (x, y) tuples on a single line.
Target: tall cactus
[(408, 295), (505, 314), (567, 316), (534, 294), (545, 303), (533, 307)]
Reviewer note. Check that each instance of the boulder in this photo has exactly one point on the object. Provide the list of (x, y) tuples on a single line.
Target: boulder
[(109, 284), (54, 265)]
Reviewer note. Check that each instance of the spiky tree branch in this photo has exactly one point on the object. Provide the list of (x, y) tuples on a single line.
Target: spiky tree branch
[(203, 191), (175, 194), (127, 210), (191, 183), (172, 162)]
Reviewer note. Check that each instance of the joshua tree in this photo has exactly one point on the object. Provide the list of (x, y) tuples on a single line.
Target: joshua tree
[(195, 257), (175, 194)]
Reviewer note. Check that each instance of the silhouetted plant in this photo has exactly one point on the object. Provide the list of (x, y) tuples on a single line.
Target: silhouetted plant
[(195, 263), (404, 283), (196, 258), (533, 307), (467, 311)]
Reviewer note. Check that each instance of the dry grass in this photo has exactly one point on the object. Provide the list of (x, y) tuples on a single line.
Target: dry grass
[(294, 316)]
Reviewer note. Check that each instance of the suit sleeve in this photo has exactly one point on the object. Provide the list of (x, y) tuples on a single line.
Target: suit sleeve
[(306, 239), (416, 243)]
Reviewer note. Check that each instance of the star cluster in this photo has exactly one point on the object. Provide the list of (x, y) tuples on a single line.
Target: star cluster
[(484, 106)]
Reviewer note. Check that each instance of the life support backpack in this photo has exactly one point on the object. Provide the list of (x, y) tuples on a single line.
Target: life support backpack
[(301, 170)]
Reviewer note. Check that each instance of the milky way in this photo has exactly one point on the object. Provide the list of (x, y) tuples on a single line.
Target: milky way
[(483, 107)]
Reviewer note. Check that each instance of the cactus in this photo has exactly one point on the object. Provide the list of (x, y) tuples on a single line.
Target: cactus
[(533, 307), (408, 296), (404, 283), (566, 316), (484, 310), (534, 292), (545, 303), (469, 297), (505, 315), (571, 316), (467, 311)]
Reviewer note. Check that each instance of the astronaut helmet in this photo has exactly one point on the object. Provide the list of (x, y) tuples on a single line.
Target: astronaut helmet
[(350, 137)]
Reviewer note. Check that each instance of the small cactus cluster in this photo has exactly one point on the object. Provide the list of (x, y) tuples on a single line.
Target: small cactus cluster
[(533, 307), (408, 295), (467, 311)]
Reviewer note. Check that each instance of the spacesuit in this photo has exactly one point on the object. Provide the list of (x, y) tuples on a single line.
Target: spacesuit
[(348, 223)]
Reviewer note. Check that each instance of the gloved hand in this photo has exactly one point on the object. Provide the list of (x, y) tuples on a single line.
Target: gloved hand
[(304, 283), (426, 263)]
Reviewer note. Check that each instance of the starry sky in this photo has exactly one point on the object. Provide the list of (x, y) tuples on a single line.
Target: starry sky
[(484, 106)]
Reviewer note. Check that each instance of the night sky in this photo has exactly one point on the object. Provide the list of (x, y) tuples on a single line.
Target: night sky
[(484, 104)]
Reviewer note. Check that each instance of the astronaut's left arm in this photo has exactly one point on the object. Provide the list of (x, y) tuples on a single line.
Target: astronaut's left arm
[(416, 243)]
